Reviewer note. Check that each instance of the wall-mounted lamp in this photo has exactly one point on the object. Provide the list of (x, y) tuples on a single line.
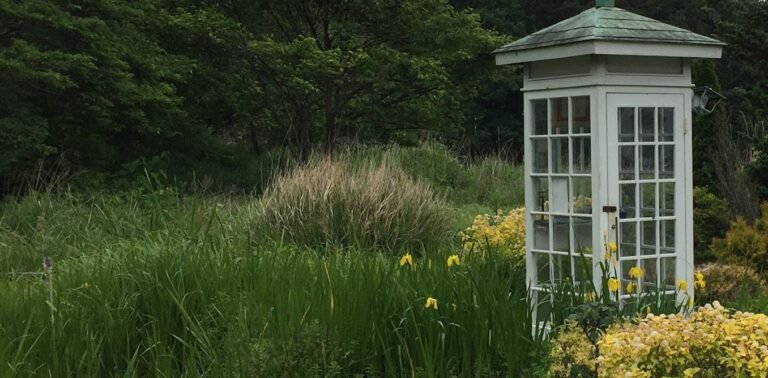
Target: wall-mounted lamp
[(705, 100)]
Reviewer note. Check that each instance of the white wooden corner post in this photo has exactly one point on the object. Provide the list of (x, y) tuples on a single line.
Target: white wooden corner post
[(608, 98)]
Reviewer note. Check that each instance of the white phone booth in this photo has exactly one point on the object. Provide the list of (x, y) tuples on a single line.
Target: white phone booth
[(608, 101)]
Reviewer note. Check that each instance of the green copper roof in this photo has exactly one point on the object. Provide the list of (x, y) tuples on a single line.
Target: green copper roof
[(608, 24)]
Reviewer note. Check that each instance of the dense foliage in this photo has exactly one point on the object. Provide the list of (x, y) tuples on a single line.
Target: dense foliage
[(726, 283), (107, 88), (113, 86), (711, 217), (745, 243)]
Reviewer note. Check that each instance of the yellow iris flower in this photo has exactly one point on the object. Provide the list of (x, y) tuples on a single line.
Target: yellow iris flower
[(453, 260), (431, 303), (407, 259), (613, 284), (636, 272)]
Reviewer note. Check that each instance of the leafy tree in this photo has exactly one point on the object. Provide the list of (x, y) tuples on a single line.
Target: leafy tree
[(85, 80), (373, 71)]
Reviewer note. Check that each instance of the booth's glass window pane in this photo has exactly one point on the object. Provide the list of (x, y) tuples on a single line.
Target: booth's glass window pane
[(628, 200), (559, 155), (583, 268), (626, 124), (560, 195), (562, 268), (647, 124), (666, 124), (561, 234), (648, 162), (627, 167), (668, 273), (582, 235), (628, 247), (651, 273), (540, 121), (582, 155), (648, 200), (667, 198), (582, 117), (539, 155), (668, 236), (541, 232), (540, 189), (581, 199), (667, 162), (560, 115), (542, 267), (648, 237)]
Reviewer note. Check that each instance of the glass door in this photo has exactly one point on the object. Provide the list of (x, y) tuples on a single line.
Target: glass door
[(646, 176)]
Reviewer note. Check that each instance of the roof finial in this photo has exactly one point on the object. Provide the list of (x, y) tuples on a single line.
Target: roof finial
[(605, 3)]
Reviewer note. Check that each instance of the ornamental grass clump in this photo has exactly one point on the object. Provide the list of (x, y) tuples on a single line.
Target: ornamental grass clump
[(502, 232), (711, 342), (330, 203)]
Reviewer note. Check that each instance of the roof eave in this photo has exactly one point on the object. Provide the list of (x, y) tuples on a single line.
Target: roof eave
[(603, 47)]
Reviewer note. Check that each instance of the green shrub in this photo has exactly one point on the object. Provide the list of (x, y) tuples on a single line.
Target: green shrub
[(495, 182), (710, 220), (491, 181), (745, 244), (376, 206), (725, 282), (431, 162)]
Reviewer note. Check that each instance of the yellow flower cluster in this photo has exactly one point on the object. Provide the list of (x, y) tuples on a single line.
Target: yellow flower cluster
[(501, 232), (711, 342), (570, 348)]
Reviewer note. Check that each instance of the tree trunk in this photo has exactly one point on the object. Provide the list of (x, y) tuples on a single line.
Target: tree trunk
[(254, 138), (330, 119)]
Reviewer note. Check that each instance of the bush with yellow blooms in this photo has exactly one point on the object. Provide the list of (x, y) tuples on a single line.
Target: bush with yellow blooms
[(502, 232), (571, 352), (711, 342)]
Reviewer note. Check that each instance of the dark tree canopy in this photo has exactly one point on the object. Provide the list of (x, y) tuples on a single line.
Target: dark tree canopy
[(108, 85)]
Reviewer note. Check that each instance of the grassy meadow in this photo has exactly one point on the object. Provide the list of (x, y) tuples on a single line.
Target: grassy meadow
[(156, 283)]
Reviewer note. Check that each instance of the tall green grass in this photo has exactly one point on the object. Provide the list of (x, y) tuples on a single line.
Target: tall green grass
[(156, 284)]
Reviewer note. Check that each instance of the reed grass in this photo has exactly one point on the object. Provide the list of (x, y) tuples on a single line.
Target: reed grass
[(331, 203)]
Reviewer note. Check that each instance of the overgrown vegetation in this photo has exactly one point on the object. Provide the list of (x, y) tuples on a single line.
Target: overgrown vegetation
[(745, 244), (155, 283)]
